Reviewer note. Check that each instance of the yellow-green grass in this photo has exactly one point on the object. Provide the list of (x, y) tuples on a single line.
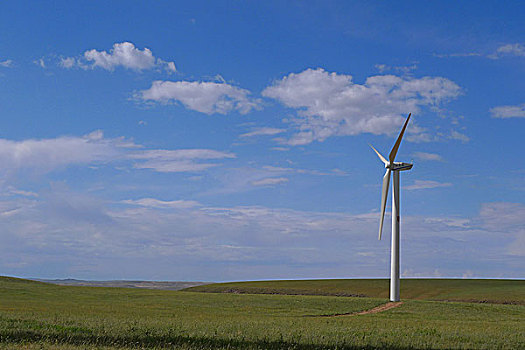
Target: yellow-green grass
[(471, 290), (36, 315)]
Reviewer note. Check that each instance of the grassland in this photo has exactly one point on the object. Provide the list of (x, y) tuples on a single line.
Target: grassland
[(487, 291), (36, 315)]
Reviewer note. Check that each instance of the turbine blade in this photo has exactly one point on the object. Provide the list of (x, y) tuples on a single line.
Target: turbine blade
[(393, 153), (383, 159), (384, 196)]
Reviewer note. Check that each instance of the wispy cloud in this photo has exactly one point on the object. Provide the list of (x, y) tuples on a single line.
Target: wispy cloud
[(48, 154), (465, 54), (183, 160), (382, 68), (157, 203), (427, 156), (508, 111), (263, 131), (427, 184), (148, 236), (506, 50), (45, 155), (6, 63), (67, 62), (456, 135), (331, 104), (123, 54), (40, 62), (204, 97), (275, 169), (270, 181)]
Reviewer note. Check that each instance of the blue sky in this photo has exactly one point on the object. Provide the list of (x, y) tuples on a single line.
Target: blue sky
[(229, 140)]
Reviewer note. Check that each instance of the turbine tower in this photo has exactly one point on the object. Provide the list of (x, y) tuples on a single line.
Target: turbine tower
[(393, 167)]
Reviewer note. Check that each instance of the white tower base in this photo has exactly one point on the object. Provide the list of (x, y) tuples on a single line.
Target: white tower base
[(394, 259)]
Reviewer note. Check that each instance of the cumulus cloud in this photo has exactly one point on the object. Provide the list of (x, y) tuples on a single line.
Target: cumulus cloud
[(427, 156), (270, 181), (331, 104), (508, 111), (427, 184), (124, 55), (204, 97), (263, 131)]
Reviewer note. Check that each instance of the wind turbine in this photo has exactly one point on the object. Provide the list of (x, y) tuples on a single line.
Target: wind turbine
[(393, 167)]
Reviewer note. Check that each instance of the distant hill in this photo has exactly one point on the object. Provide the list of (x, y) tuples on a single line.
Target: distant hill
[(467, 290), (123, 284)]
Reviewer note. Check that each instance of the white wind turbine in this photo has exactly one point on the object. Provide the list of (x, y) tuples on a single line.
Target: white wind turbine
[(394, 167)]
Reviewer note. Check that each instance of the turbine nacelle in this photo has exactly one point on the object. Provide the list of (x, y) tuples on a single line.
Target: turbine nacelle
[(390, 166), (400, 166)]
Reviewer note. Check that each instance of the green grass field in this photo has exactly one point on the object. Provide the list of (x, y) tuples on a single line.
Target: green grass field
[(492, 291), (36, 315)]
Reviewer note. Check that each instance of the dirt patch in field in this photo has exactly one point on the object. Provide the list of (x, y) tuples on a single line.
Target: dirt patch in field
[(375, 310)]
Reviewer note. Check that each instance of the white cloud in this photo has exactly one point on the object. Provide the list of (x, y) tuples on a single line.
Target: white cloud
[(426, 184), (67, 62), (450, 222), (270, 181), (263, 131), (183, 160), (381, 68), (506, 219), (508, 111), (466, 54), (192, 153), (46, 155), (6, 63), (507, 50), (40, 62), (204, 97), (518, 246), (503, 215), (92, 238), (516, 49), (427, 156), (18, 192), (156, 203), (174, 166), (124, 55), (456, 135), (275, 169), (330, 104)]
